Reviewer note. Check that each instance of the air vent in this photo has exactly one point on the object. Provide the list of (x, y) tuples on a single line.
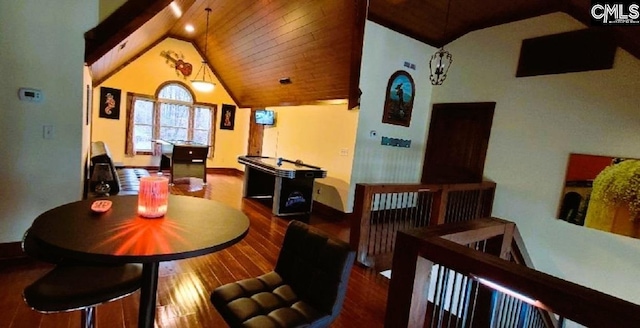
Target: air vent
[(285, 80)]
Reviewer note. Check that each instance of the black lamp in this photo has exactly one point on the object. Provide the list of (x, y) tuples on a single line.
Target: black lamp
[(100, 178)]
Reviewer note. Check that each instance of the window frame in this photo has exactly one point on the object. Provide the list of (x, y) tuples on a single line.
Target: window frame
[(153, 123), (156, 127)]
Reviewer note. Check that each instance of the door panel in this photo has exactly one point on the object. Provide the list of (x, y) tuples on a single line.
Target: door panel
[(256, 134), (457, 144)]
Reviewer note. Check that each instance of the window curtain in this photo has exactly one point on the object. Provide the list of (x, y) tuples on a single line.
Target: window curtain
[(128, 146), (157, 147), (212, 130)]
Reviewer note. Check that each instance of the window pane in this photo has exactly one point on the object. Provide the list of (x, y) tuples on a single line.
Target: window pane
[(175, 92), (201, 136), (143, 112), (174, 115), (142, 135), (202, 119), (173, 134)]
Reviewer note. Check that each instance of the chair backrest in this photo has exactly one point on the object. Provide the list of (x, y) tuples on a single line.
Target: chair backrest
[(32, 248), (316, 266)]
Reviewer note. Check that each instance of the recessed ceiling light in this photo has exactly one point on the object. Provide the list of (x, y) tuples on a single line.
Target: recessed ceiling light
[(189, 28)]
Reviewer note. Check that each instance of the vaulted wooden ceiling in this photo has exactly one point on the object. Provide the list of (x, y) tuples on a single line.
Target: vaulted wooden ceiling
[(317, 44)]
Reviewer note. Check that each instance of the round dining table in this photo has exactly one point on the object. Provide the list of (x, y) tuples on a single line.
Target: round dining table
[(191, 227)]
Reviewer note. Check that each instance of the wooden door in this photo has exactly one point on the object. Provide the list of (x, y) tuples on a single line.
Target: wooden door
[(256, 133), (457, 143)]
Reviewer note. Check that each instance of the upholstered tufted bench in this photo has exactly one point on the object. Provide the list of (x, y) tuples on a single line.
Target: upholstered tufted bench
[(306, 289), (126, 180)]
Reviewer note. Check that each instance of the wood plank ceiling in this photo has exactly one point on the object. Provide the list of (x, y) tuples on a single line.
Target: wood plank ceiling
[(426, 21), (252, 45), (315, 43)]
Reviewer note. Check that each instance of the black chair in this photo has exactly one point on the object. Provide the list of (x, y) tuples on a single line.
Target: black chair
[(74, 285), (306, 289)]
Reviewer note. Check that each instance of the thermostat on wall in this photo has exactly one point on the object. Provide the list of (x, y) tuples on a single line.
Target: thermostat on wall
[(29, 94)]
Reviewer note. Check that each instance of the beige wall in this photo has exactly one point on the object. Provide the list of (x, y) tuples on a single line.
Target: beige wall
[(143, 76), (538, 121), (322, 136), (41, 48)]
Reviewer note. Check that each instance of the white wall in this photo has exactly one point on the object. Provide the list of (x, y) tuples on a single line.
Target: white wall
[(322, 136), (384, 53), (538, 121), (44, 49)]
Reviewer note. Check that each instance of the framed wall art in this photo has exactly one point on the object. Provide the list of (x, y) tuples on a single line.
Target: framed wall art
[(110, 103), (88, 105), (600, 192), (398, 102), (228, 117)]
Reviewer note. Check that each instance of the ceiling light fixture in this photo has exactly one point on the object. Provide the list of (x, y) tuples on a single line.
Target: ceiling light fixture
[(202, 84), (176, 9), (441, 60)]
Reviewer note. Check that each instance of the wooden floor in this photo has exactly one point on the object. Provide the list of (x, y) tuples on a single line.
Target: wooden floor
[(184, 286)]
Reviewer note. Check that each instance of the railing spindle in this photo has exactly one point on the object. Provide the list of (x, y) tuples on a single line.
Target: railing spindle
[(380, 210)]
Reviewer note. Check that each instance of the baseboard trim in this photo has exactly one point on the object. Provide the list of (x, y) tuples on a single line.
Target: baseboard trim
[(10, 251), (328, 212), (210, 170), (225, 170)]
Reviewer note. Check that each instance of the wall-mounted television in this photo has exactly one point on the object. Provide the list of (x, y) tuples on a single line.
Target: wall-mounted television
[(265, 117)]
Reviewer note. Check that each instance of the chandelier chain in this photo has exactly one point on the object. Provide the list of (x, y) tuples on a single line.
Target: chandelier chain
[(206, 34), (446, 21)]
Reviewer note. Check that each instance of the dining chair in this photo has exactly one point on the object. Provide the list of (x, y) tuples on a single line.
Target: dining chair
[(75, 285), (306, 288)]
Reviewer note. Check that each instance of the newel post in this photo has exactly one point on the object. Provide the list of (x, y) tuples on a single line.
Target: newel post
[(360, 222), (409, 287), (439, 207)]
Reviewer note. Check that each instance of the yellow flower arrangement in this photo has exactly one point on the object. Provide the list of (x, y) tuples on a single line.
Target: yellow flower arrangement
[(619, 184)]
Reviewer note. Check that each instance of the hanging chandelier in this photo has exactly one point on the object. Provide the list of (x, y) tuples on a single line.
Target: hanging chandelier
[(439, 65), (203, 84), (441, 60)]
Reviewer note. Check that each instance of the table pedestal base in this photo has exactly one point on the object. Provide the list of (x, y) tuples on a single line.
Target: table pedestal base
[(147, 311)]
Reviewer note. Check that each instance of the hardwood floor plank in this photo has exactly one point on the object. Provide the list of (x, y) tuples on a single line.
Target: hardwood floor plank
[(110, 315), (184, 286), (60, 320)]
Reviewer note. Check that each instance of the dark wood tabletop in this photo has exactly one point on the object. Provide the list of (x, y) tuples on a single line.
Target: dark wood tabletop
[(192, 227)]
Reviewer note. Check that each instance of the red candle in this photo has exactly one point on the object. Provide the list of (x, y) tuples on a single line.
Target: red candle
[(153, 197)]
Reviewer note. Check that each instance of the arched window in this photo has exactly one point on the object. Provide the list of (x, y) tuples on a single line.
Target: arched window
[(171, 116)]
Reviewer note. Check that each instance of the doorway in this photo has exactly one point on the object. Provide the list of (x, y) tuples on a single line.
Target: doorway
[(457, 143), (256, 135)]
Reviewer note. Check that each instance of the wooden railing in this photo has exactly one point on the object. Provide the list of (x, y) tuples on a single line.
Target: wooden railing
[(444, 276), (380, 210)]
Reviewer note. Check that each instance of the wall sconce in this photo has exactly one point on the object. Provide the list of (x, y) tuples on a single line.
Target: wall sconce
[(153, 197)]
